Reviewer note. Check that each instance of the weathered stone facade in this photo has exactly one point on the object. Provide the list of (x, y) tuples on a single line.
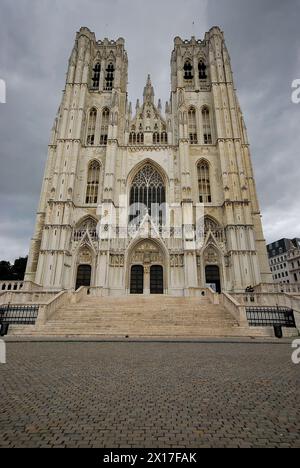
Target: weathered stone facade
[(197, 151)]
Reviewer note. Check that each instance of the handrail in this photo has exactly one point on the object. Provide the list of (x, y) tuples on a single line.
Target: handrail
[(237, 310), (49, 309)]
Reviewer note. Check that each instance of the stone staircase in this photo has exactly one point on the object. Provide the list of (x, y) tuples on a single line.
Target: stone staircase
[(140, 316)]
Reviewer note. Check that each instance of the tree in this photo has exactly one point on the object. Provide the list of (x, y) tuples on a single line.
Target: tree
[(19, 267), (5, 271), (13, 272)]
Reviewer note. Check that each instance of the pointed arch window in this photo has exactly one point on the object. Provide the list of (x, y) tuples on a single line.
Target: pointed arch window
[(188, 70), (93, 180), (156, 138), (96, 76), (91, 127), (204, 182), (164, 138), (87, 225), (215, 228), (110, 76), (160, 138), (207, 138), (148, 189), (192, 123), (132, 138), (140, 138), (104, 126), (202, 68)]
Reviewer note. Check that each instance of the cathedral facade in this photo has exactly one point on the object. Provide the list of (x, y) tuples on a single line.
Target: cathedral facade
[(109, 165)]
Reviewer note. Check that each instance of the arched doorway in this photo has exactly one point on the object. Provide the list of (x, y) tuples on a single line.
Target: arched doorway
[(137, 279), (212, 277), (146, 268), (84, 274), (156, 279)]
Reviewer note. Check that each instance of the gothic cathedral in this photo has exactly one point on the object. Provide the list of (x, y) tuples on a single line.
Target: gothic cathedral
[(103, 154)]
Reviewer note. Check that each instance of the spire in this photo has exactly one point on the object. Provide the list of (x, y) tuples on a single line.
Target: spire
[(148, 91), (159, 106)]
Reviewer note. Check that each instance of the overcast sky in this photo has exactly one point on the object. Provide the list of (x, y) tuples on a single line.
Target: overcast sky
[(36, 38)]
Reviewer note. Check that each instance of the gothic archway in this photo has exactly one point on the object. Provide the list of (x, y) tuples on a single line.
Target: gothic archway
[(147, 257), (84, 266), (213, 268)]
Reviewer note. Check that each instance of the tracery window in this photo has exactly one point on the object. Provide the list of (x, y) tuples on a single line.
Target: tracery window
[(164, 137), (104, 126), (110, 76), (148, 188), (96, 76), (132, 138), (206, 126), (188, 70), (91, 127), (87, 225), (204, 182), (156, 138), (202, 70), (192, 124), (211, 226), (140, 137), (93, 180), (160, 138)]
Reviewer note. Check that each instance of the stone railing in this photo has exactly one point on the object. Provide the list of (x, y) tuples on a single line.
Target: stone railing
[(26, 297), (97, 291), (47, 310), (78, 295), (61, 299), (202, 292), (292, 288), (11, 285), (237, 310), (271, 300)]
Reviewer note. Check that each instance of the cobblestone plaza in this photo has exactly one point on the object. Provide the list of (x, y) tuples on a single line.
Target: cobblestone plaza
[(146, 394)]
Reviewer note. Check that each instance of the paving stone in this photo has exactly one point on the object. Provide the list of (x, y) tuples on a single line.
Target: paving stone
[(144, 394)]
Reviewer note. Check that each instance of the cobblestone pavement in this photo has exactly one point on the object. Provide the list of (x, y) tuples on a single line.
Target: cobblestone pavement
[(149, 395)]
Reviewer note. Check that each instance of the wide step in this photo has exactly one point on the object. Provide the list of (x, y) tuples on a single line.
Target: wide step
[(138, 316)]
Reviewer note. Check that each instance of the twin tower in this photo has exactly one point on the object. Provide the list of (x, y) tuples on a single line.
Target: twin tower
[(193, 152)]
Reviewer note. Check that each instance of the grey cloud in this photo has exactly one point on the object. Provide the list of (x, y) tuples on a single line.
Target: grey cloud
[(36, 38)]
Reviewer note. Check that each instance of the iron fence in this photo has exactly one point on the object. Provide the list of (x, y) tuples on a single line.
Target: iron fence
[(18, 314), (270, 317)]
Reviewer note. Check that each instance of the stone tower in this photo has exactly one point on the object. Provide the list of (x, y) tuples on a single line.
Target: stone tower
[(102, 156)]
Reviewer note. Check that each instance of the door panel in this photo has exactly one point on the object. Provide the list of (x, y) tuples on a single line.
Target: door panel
[(83, 276), (137, 280), (212, 274), (156, 279)]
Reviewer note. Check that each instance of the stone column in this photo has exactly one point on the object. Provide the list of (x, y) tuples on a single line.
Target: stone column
[(147, 280)]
